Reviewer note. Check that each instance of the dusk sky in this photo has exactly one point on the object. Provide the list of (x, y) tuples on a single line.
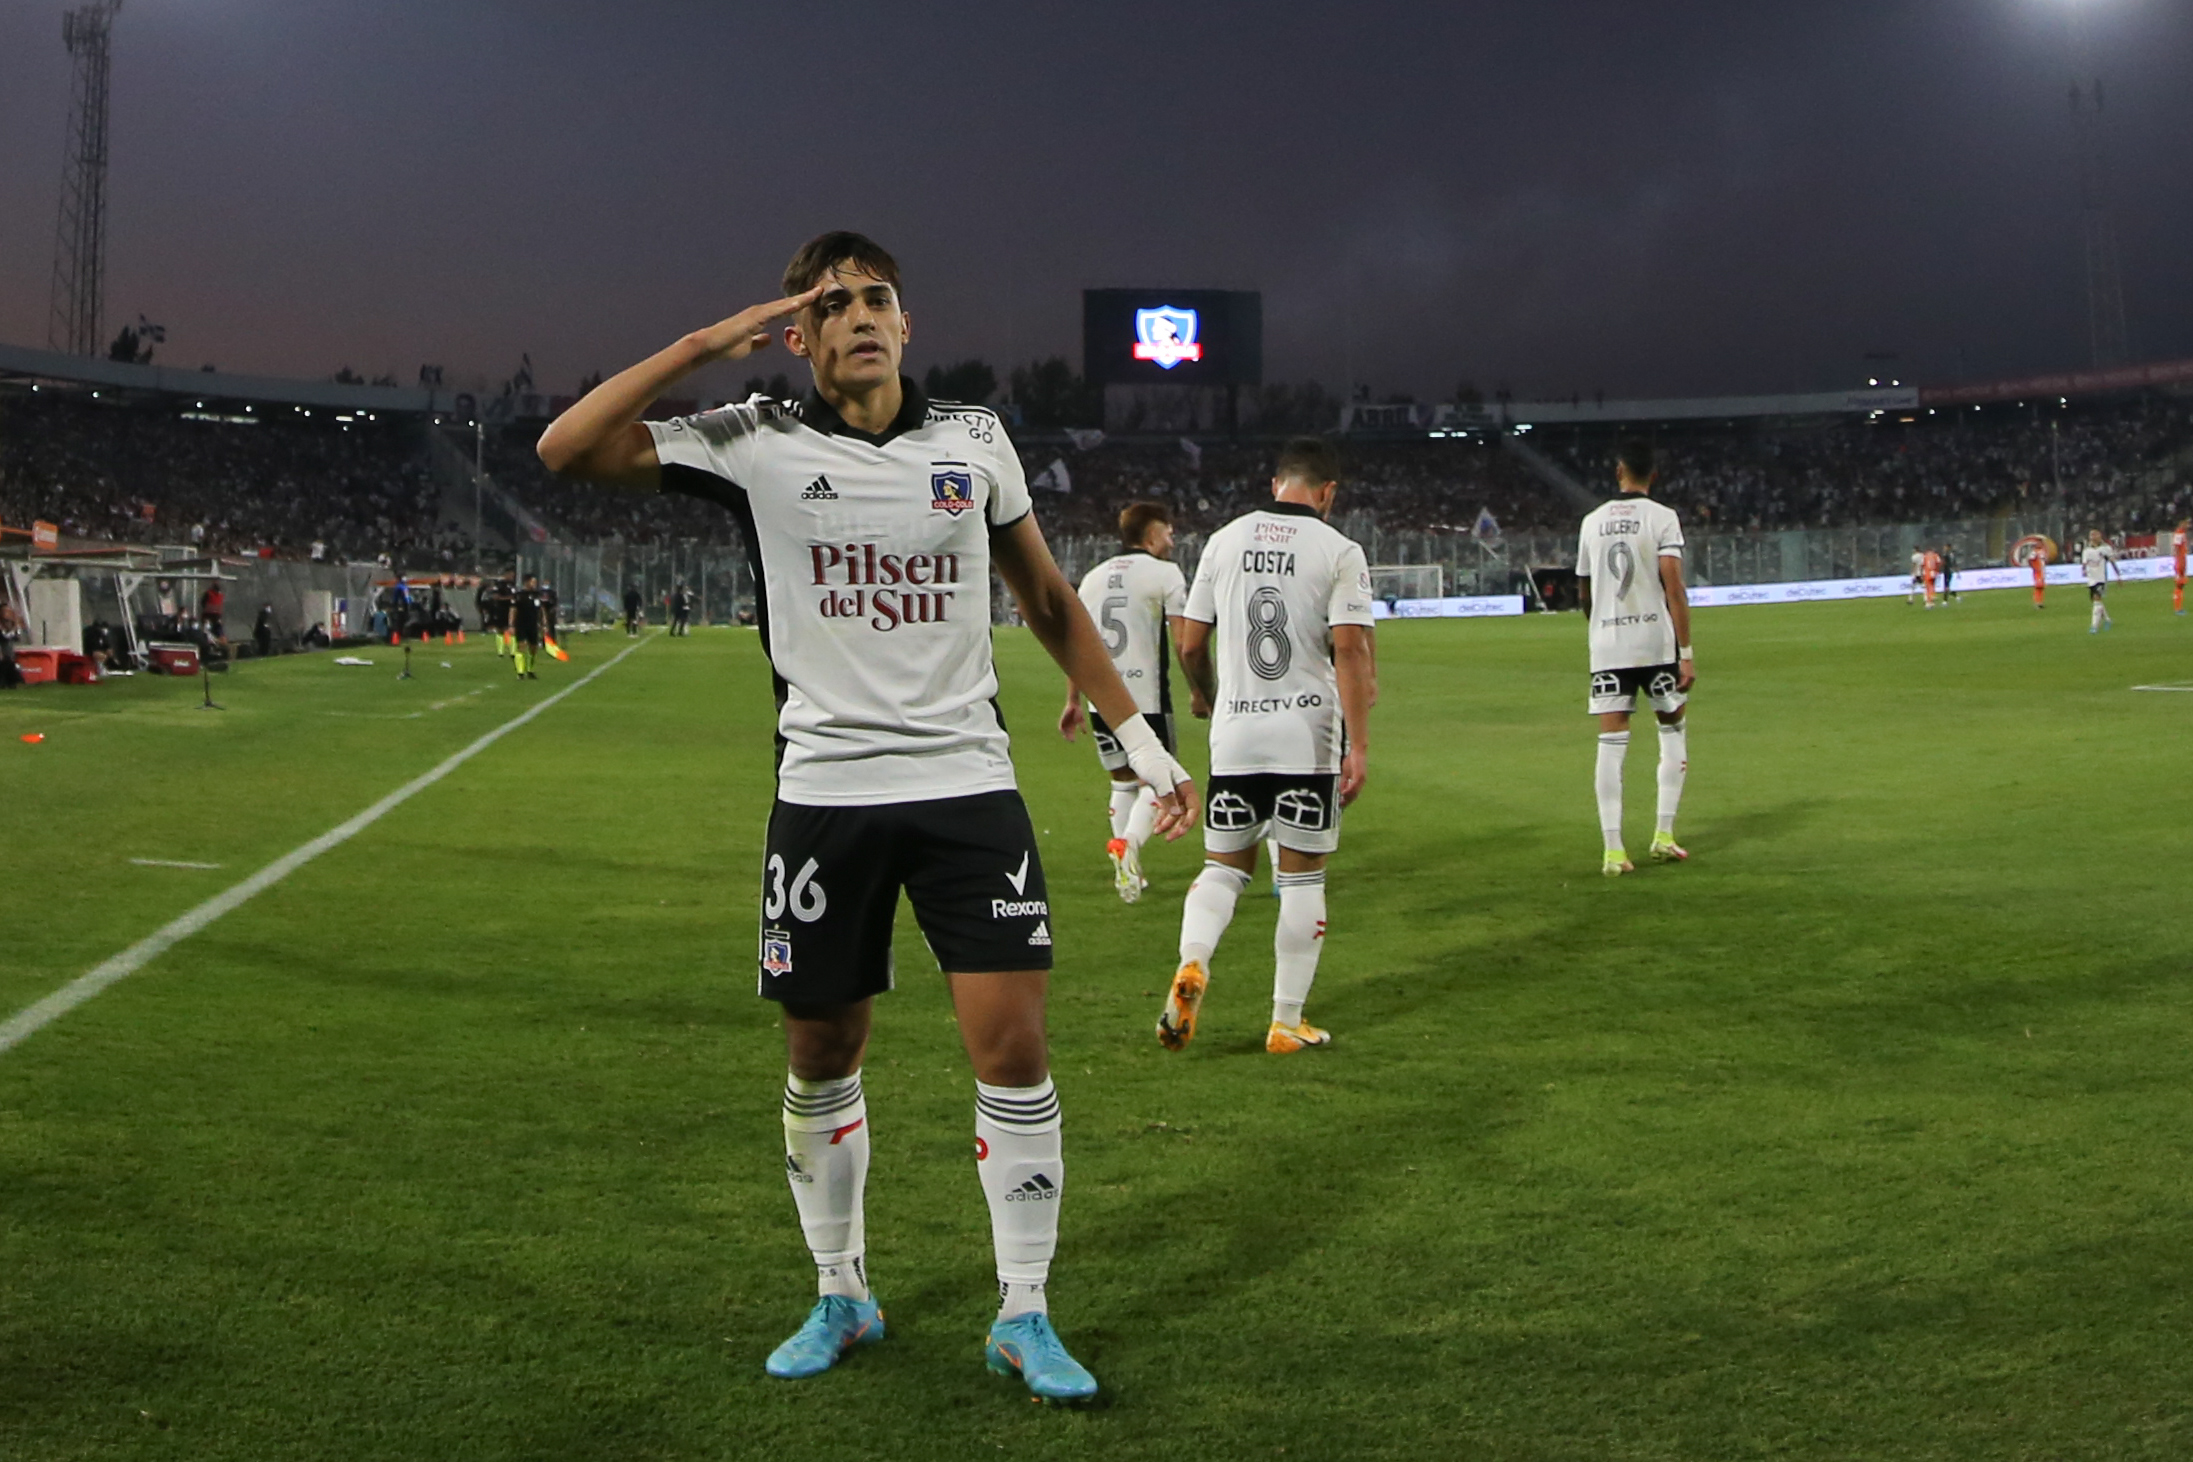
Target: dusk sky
[(1555, 196)]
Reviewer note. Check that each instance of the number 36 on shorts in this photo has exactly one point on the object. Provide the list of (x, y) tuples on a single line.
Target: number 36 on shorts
[(804, 898)]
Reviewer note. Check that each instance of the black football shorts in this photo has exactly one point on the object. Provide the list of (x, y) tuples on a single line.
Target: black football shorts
[(1301, 811), (1617, 690), (830, 889)]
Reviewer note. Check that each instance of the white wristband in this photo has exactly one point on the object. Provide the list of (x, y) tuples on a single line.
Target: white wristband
[(1133, 734), (1147, 757), (1683, 653)]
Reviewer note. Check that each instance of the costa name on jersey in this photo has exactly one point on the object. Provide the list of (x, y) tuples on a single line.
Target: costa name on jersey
[(871, 556), (1273, 583), (1129, 597), (1619, 549)]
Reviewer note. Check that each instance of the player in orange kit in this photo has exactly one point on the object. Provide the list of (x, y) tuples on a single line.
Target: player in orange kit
[(2177, 565), (1929, 567), (2039, 559)]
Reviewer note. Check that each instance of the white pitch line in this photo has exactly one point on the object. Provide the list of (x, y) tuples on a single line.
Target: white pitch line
[(31, 1019), (169, 863), (2164, 687)]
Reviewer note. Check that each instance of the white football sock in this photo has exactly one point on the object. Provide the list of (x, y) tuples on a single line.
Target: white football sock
[(1296, 943), (1208, 910), (1017, 1154), (1123, 805), (826, 1162), (1674, 762), (1613, 746), (2095, 619), (1143, 818)]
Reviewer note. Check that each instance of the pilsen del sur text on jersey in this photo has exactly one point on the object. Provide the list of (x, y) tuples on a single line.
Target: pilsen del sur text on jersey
[(885, 589)]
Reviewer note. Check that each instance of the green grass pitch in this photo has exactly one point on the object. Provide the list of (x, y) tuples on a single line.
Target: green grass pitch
[(1864, 1135)]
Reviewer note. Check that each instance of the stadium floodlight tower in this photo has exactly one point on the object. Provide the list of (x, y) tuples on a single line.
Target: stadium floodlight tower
[(2107, 336), (80, 237)]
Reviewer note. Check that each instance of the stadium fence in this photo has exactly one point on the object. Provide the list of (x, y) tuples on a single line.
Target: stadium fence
[(589, 579)]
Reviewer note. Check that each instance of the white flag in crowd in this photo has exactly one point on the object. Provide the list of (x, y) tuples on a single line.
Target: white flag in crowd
[(1085, 438), (1488, 527), (1054, 478), (1195, 452)]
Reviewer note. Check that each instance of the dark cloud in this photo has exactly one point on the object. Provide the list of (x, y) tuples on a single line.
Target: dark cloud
[(1567, 195)]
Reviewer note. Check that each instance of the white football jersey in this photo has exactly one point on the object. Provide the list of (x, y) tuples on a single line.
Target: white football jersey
[(1130, 597), (1918, 563), (2095, 558), (1619, 550), (1272, 584), (871, 557)]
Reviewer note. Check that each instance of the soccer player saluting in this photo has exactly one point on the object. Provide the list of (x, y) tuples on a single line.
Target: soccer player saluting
[(1630, 556), (872, 518), (1134, 598), (1289, 598), (2098, 559)]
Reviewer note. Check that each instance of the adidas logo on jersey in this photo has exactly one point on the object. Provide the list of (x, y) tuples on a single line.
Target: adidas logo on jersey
[(1037, 1189), (1042, 935), (818, 490)]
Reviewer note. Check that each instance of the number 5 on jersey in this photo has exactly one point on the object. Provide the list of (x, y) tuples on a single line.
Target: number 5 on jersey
[(805, 898)]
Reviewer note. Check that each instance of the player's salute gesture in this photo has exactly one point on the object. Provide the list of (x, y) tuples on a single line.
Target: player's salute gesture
[(601, 437), (748, 331), (873, 518)]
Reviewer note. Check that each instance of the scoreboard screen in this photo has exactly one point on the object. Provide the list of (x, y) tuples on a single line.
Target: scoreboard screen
[(1179, 337)]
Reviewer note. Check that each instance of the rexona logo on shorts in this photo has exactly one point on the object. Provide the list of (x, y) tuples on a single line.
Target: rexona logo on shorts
[(1018, 908)]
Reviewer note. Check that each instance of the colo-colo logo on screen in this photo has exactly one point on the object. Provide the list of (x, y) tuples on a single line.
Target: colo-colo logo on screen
[(860, 581)]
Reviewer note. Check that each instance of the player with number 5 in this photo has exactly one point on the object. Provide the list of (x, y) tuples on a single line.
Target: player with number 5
[(1289, 598)]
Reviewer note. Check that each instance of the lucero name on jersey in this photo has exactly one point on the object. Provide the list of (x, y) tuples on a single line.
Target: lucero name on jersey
[(868, 582)]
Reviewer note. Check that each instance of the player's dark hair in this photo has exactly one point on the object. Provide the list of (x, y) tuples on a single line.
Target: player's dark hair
[(825, 252), (1308, 459), (1638, 459), (1135, 520)]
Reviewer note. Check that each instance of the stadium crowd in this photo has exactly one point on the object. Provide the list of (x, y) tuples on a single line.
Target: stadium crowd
[(294, 486), (2100, 462), (287, 485)]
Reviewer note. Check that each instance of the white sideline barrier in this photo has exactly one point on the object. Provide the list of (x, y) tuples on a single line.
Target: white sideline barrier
[(1709, 596), (1478, 606), (1800, 591)]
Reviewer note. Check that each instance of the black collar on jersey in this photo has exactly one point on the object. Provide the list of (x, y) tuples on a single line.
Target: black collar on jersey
[(1291, 510), (823, 417)]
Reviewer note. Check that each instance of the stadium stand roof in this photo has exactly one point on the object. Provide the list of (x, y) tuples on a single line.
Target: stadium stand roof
[(23, 364)]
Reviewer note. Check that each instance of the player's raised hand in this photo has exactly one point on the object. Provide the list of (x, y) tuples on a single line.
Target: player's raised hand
[(748, 330), (1355, 770)]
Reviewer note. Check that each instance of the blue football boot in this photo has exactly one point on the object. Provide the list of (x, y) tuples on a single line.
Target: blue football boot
[(1027, 1346), (833, 1327)]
